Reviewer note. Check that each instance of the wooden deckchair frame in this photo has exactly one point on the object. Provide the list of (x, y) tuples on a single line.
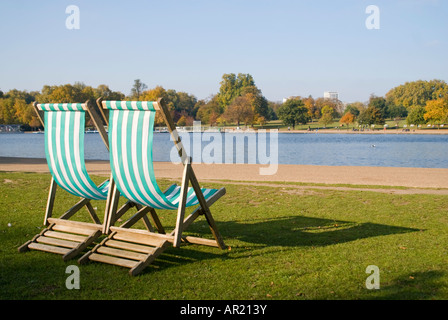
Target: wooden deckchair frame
[(113, 249), (70, 238)]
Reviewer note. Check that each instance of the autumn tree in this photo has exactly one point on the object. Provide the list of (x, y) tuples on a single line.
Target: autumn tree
[(416, 93), (293, 111), (231, 87), (208, 110), (436, 111), (259, 103), (322, 102), (310, 104), (327, 115), (347, 118), (240, 111)]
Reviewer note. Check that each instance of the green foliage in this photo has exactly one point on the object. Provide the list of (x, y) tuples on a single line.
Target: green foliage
[(416, 115), (397, 111), (380, 104), (353, 109), (371, 115), (232, 86), (293, 112), (416, 93)]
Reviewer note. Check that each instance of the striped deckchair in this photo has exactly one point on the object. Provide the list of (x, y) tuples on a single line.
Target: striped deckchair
[(64, 125), (131, 127)]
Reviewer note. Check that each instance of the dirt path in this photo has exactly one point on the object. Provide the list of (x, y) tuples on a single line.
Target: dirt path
[(414, 180)]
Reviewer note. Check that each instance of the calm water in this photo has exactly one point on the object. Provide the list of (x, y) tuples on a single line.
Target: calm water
[(388, 150)]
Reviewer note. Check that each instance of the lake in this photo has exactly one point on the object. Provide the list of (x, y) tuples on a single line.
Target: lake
[(379, 150)]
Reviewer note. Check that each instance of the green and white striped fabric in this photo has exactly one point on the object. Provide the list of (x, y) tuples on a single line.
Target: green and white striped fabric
[(131, 128), (64, 149)]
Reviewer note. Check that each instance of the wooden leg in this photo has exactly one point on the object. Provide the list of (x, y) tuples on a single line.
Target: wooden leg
[(181, 208), (50, 201), (112, 210), (92, 213), (206, 210)]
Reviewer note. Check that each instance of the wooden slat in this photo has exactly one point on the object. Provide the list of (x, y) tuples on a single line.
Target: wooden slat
[(129, 246), (122, 253), (203, 241), (113, 260), (82, 231), (65, 236), (47, 248), (149, 259), (138, 238), (76, 224), (57, 242)]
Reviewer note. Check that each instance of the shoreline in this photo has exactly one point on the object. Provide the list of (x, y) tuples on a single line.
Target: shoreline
[(305, 131), (351, 175)]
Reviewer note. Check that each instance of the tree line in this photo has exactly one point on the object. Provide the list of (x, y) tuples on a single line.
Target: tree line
[(419, 102), (239, 101)]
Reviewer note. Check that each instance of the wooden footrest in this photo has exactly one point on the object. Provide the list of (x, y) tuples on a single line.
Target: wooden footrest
[(68, 238), (47, 248), (134, 249)]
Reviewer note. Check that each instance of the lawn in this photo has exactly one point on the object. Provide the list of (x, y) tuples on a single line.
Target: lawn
[(283, 243)]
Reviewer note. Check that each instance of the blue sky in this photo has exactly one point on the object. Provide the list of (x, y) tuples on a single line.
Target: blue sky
[(289, 47)]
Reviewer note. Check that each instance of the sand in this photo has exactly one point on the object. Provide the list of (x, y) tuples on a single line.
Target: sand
[(353, 175)]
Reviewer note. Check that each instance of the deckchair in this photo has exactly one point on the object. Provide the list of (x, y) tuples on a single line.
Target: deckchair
[(64, 125), (131, 126)]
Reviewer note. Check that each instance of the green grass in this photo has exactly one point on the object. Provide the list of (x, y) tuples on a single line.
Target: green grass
[(284, 243)]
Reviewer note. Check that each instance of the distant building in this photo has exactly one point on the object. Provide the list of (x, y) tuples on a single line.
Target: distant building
[(333, 95)]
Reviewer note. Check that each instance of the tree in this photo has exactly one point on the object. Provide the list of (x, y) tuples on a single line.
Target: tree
[(232, 86), (397, 112), (106, 93), (7, 113), (327, 115), (416, 93), (347, 119), (240, 110), (322, 102), (371, 115), (353, 109), (416, 115), (258, 101), (137, 89), (292, 112), (380, 104), (23, 112), (208, 109), (436, 111)]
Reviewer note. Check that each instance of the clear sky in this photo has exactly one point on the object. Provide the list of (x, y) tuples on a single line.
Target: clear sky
[(289, 47)]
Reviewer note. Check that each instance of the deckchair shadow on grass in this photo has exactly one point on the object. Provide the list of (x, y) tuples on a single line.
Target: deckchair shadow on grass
[(131, 129), (64, 125), (291, 231)]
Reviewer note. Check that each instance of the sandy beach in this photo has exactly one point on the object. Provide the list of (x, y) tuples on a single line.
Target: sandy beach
[(373, 176)]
